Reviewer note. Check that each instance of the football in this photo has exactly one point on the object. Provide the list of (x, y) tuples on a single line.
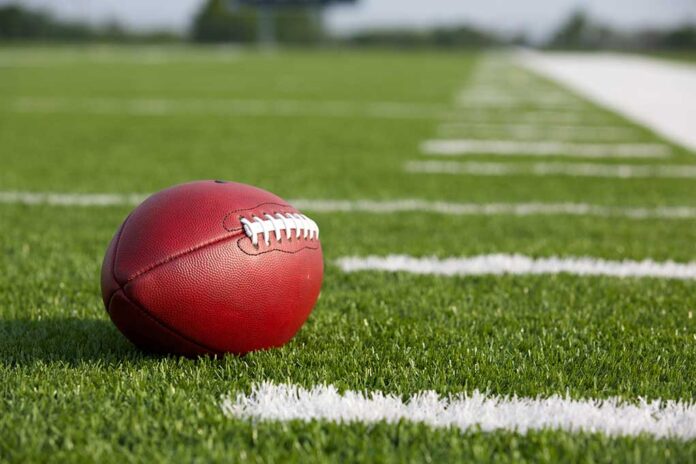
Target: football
[(212, 267)]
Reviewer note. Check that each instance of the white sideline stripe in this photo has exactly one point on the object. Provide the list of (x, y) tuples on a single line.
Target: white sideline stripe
[(380, 206), (612, 417), (515, 264), (492, 209), (619, 171), (461, 147), (652, 92), (231, 107)]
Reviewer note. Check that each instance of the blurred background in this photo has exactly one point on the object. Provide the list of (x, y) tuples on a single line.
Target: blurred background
[(555, 24)]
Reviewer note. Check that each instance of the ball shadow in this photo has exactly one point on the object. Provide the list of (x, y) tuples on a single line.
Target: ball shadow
[(70, 340)]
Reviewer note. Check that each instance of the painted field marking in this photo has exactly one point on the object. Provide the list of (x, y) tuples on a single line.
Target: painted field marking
[(462, 147), (231, 107), (112, 55), (611, 417), (492, 209), (515, 264), (285, 108), (71, 199), (618, 171), (652, 92), (536, 116), (378, 206), (537, 131), (506, 100)]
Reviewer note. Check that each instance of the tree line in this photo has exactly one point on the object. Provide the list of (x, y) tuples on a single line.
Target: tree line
[(238, 22)]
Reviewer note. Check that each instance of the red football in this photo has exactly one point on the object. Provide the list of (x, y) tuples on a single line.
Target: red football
[(212, 267)]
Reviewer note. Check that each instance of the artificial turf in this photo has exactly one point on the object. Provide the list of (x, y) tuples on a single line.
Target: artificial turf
[(72, 389)]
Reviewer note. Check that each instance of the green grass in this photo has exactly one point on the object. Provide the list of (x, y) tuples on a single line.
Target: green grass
[(73, 389), (686, 56)]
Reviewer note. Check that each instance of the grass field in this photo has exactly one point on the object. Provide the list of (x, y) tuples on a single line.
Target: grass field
[(330, 126)]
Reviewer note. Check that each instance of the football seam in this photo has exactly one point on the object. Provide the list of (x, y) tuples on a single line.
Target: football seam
[(147, 314), (181, 254), (119, 234), (234, 233)]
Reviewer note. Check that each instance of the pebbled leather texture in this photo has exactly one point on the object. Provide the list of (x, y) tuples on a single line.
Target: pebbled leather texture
[(180, 276)]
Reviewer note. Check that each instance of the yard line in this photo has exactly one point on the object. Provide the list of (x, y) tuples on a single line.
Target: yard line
[(502, 100), (492, 209), (112, 55), (619, 171), (379, 206), (612, 417), (535, 131), (461, 147), (71, 199), (283, 108), (537, 116), (515, 264), (652, 92), (232, 107)]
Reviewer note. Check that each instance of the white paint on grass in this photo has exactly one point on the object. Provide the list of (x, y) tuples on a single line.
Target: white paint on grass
[(539, 131), (229, 107), (462, 147), (503, 101), (656, 93), (515, 264), (492, 209), (71, 199), (146, 55), (538, 116), (612, 417), (618, 171), (378, 206)]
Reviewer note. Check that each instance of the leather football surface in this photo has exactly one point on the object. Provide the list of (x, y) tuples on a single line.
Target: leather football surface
[(184, 275)]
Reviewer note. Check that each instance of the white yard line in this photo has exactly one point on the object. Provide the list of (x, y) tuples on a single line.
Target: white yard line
[(287, 108), (536, 116), (515, 264), (611, 417), (71, 199), (231, 107), (149, 55), (379, 206), (652, 92), (538, 131), (461, 147), (492, 209), (618, 171), (508, 102)]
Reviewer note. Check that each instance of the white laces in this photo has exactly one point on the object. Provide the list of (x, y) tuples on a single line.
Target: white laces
[(303, 226)]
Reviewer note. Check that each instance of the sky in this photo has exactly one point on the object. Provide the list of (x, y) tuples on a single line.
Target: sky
[(534, 17)]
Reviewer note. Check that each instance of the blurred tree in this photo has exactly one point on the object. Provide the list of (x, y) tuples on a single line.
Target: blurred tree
[(682, 38), (19, 23), (572, 33), (217, 22), (580, 32), (225, 21), (452, 37)]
